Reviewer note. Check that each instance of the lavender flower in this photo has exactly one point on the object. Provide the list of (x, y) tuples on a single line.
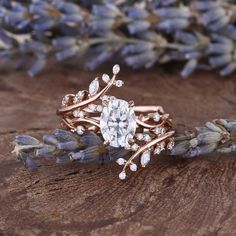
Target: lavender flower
[(216, 136), (64, 146), (144, 33)]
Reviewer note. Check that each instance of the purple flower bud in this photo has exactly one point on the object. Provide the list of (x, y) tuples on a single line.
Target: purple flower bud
[(193, 152), (218, 61), (180, 148), (30, 163), (89, 154), (72, 18), (221, 48), (67, 53), (231, 30), (50, 139), (77, 155), (173, 12), (64, 42), (138, 47), (68, 146), (107, 10), (90, 139), (145, 59), (26, 140), (209, 137), (6, 38), (102, 57), (201, 150), (231, 125), (192, 55), (101, 25), (62, 159), (173, 24), (68, 7), (219, 24), (213, 15), (33, 46), (205, 5), (136, 13), (189, 67), (138, 26), (185, 37), (37, 67), (46, 151), (229, 69), (44, 24), (221, 39), (64, 135)]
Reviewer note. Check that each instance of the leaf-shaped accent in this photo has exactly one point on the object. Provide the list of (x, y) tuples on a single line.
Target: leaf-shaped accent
[(145, 158), (106, 78), (116, 69), (94, 87)]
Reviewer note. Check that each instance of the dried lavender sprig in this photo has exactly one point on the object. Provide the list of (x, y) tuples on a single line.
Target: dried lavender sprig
[(144, 33), (216, 136), (64, 146)]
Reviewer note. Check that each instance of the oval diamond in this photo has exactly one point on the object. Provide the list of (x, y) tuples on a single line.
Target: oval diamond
[(118, 123)]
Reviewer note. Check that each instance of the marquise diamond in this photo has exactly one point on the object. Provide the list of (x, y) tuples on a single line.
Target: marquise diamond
[(118, 123)]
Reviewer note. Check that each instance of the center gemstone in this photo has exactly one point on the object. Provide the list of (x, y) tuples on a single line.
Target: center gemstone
[(118, 123)]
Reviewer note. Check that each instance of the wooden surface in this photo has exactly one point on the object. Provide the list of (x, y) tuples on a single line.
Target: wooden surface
[(170, 197)]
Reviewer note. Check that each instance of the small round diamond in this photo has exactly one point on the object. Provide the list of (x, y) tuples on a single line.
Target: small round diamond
[(119, 83), (78, 114), (92, 107), (133, 167), (146, 138), (122, 175), (80, 130), (65, 100), (135, 147), (159, 130), (162, 145), (127, 146), (139, 136), (99, 108), (170, 145), (120, 161), (157, 150), (156, 117)]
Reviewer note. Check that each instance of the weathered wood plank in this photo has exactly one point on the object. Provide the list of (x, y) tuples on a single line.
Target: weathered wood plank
[(170, 197)]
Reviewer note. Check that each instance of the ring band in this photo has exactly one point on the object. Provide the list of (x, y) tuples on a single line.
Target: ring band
[(144, 130)]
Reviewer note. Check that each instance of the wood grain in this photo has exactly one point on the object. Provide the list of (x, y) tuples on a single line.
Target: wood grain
[(171, 196)]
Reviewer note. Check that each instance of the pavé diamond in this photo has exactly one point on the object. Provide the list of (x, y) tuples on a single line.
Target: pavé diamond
[(118, 123)]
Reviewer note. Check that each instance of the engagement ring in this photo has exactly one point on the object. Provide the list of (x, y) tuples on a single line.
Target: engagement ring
[(144, 130)]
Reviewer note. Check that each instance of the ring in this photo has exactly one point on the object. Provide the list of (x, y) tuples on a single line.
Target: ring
[(144, 130)]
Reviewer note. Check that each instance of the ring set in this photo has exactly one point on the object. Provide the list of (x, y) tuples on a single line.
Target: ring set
[(144, 130)]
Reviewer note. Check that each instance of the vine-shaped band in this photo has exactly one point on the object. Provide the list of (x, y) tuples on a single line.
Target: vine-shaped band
[(144, 130)]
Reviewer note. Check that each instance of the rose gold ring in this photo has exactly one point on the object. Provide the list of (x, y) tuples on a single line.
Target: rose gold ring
[(144, 130)]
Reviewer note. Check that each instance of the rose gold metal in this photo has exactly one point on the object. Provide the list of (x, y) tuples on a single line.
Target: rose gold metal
[(146, 146), (89, 100), (144, 120)]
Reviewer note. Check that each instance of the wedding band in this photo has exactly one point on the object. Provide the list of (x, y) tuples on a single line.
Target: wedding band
[(144, 130)]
